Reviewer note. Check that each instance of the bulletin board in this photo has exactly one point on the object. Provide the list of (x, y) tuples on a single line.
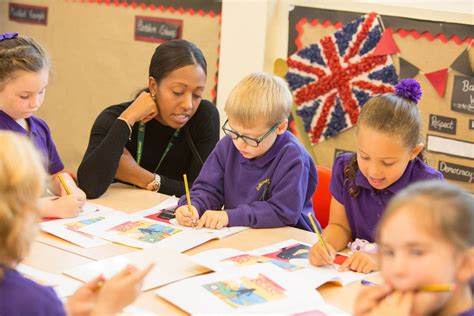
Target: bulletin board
[(436, 54), (100, 59)]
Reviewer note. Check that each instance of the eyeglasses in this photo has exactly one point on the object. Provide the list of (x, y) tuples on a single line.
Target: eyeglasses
[(248, 140)]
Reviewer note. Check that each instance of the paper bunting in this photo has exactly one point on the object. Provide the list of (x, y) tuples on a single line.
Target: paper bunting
[(332, 79), (386, 45), (438, 80), (407, 69), (462, 64)]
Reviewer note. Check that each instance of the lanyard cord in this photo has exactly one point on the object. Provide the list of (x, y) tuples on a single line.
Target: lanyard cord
[(140, 141)]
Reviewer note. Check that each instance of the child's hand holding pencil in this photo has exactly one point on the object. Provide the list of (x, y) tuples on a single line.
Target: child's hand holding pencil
[(183, 217)]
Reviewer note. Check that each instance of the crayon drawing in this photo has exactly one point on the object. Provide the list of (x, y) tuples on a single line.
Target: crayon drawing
[(246, 291), (296, 251), (248, 260), (75, 226), (145, 231)]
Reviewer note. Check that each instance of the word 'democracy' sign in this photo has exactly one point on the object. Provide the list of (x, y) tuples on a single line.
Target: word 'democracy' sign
[(463, 95), (158, 30), (456, 172), (25, 13)]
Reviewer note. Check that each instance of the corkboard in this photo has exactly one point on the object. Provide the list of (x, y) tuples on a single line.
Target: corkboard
[(428, 56), (97, 62)]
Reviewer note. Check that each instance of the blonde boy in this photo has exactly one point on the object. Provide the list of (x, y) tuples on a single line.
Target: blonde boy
[(259, 175)]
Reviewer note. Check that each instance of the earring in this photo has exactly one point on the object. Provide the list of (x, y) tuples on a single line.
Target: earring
[(153, 96)]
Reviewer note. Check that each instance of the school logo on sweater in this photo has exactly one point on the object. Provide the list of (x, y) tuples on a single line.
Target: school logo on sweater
[(265, 184), (332, 79)]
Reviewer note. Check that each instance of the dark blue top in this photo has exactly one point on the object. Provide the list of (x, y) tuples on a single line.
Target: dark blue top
[(40, 134), (363, 212), (21, 296)]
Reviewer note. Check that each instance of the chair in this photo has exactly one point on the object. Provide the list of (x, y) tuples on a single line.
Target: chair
[(322, 196)]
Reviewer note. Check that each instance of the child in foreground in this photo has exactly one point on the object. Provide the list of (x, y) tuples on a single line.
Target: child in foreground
[(426, 254), (22, 179)]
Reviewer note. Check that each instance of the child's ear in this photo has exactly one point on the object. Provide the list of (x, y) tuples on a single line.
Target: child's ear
[(416, 151), (466, 268), (282, 127)]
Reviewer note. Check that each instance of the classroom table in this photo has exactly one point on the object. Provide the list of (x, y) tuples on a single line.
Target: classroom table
[(53, 254)]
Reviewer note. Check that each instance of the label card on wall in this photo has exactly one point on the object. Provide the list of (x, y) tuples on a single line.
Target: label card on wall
[(448, 146), (442, 124), (25, 13), (456, 172), (151, 29), (463, 95), (471, 124)]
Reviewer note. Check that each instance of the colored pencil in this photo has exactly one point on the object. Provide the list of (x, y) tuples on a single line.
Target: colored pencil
[(188, 197), (61, 180), (321, 240)]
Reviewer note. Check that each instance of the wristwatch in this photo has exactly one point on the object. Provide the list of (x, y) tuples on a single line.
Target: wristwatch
[(154, 184)]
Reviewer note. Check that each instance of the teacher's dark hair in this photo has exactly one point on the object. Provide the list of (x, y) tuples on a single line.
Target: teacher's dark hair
[(173, 55)]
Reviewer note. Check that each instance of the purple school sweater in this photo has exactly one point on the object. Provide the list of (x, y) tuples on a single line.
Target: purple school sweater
[(40, 135), (364, 212), (274, 190), (21, 296)]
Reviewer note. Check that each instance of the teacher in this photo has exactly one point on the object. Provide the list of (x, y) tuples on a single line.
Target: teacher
[(167, 131)]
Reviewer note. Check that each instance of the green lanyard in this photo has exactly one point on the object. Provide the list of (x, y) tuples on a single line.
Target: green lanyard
[(141, 138)]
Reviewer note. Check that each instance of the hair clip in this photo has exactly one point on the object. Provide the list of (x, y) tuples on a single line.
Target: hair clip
[(6, 36), (409, 89)]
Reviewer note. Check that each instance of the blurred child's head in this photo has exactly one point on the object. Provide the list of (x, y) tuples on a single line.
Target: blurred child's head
[(258, 109), (388, 136), (426, 236), (24, 75), (22, 178)]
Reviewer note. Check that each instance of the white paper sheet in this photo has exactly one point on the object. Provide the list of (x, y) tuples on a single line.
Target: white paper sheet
[(169, 266), (169, 202), (63, 286), (69, 228), (290, 256), (145, 233), (450, 146), (255, 289)]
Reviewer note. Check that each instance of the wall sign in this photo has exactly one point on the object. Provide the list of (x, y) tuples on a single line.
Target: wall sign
[(151, 29), (456, 172), (463, 95), (25, 13), (471, 124), (442, 124), (449, 146)]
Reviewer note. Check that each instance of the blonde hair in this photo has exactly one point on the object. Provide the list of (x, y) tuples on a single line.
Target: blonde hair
[(259, 95), (440, 207), (20, 54), (22, 180)]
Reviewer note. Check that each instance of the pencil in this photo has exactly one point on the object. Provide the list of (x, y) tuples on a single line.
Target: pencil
[(318, 233), (188, 197), (61, 180), (440, 287)]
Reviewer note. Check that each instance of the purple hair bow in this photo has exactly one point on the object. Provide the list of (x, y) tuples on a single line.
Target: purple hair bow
[(6, 36)]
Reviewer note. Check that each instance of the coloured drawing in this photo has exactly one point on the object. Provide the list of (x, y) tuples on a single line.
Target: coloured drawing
[(145, 231), (246, 291)]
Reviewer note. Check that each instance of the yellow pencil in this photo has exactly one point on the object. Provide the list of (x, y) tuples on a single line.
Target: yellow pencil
[(61, 180), (188, 197), (318, 233), (441, 287)]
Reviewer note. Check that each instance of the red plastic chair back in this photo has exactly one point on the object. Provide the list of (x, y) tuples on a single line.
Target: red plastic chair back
[(322, 196)]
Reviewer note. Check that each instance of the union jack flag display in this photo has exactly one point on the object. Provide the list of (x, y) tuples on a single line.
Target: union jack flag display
[(331, 80)]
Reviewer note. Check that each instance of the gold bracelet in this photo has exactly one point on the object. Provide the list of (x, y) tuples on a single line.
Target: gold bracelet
[(129, 126)]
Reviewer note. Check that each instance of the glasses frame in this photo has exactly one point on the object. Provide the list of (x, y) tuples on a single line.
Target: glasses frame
[(234, 135)]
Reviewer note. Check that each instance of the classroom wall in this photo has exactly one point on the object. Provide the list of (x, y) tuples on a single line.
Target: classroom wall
[(97, 62)]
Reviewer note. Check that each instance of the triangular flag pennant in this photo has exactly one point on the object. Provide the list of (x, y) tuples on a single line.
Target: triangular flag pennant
[(386, 45), (438, 80), (463, 65), (407, 69)]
